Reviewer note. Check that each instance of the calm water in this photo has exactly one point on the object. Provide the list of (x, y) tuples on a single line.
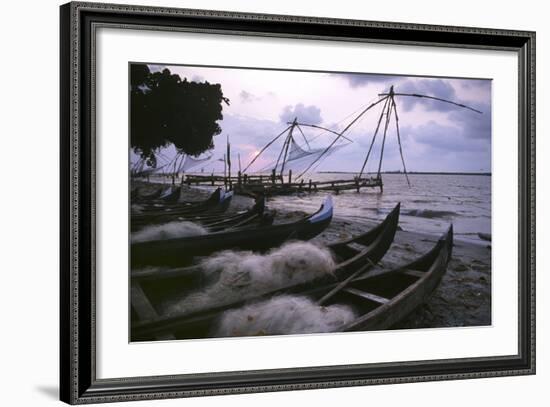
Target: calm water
[(429, 205)]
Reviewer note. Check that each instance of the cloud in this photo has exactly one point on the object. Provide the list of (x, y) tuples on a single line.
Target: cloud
[(474, 125), (432, 87), (483, 85), (197, 78), (306, 114), (440, 137), (247, 97), (432, 146), (356, 80)]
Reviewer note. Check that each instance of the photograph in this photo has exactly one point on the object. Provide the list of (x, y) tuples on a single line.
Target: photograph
[(268, 202)]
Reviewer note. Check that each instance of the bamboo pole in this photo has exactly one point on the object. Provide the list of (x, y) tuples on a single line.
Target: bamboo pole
[(431, 97), (224, 172), (229, 162), (374, 137), (387, 124), (266, 147), (303, 135), (286, 152), (324, 128), (341, 134), (281, 153), (399, 142)]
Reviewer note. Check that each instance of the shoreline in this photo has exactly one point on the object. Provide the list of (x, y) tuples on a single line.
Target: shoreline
[(463, 297)]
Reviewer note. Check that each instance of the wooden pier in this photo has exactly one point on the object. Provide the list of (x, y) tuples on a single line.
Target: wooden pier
[(274, 184)]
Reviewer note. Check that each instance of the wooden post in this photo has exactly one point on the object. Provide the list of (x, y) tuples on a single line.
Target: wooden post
[(290, 177), (388, 119), (245, 179), (310, 185), (239, 178), (273, 176), (229, 160), (224, 172)]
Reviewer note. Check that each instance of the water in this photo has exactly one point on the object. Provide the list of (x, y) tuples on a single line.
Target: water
[(430, 204)]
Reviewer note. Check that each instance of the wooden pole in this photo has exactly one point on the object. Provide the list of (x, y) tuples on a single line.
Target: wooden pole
[(289, 140), (228, 158), (374, 138), (304, 136), (224, 172), (341, 134), (388, 117), (281, 152), (265, 147), (399, 142)]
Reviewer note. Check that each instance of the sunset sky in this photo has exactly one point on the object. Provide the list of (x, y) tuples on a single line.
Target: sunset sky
[(436, 136)]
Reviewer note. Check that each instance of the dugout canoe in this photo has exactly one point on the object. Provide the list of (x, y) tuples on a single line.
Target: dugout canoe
[(160, 205), (216, 205), (353, 256), (177, 252), (384, 297)]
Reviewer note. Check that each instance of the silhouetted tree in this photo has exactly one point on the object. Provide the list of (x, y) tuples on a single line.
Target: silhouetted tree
[(164, 109)]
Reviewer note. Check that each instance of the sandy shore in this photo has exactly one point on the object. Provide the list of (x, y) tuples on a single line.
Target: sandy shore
[(463, 297)]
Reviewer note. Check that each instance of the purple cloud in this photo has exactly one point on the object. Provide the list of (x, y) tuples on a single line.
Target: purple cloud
[(446, 138), (432, 87), (474, 125), (247, 97), (306, 114), (356, 80)]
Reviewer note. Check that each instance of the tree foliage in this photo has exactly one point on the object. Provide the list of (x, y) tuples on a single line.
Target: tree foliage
[(164, 110)]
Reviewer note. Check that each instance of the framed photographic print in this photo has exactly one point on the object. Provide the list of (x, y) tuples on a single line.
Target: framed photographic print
[(256, 203)]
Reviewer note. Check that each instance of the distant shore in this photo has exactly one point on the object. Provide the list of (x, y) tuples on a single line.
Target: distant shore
[(412, 173)]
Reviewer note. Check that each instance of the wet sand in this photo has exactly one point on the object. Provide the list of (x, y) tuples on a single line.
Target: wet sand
[(463, 298)]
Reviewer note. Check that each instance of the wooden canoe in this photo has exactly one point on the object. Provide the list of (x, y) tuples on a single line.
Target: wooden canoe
[(382, 298), (353, 256), (215, 222), (211, 207), (177, 252), (161, 206)]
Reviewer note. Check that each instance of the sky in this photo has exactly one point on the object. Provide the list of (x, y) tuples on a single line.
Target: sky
[(435, 136)]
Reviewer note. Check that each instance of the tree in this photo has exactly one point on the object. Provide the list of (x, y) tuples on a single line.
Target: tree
[(164, 110)]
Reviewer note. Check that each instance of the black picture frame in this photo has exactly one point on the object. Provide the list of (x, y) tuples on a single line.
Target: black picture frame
[(78, 382)]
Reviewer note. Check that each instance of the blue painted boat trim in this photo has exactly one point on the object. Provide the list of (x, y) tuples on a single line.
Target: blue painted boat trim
[(324, 213)]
